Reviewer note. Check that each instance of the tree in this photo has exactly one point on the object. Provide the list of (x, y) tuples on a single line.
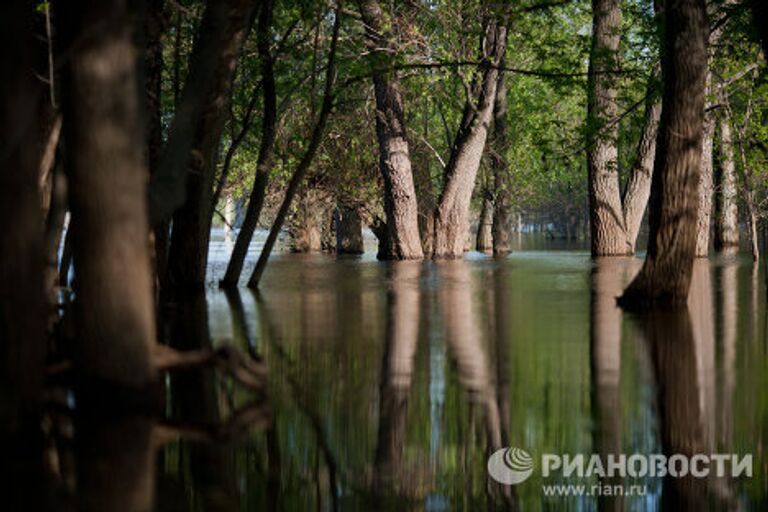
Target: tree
[(114, 311), (727, 219), (452, 213), (607, 228), (266, 149), (500, 227), (306, 160), (187, 167), (400, 204), (22, 299), (666, 273), (639, 182)]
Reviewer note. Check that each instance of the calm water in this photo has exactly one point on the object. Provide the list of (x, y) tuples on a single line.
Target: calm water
[(391, 383)]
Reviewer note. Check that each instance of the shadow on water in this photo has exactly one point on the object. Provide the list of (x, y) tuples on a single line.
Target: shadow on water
[(391, 384)]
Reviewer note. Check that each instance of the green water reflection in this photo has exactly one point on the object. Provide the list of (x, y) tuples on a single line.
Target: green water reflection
[(390, 384)]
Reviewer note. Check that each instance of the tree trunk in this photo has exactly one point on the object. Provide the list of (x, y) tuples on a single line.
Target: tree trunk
[(22, 298), (452, 214), (727, 222), (639, 184), (706, 186), (224, 27), (425, 194), (609, 235), (349, 231), (500, 228), (400, 204), (666, 274), (266, 150), (707, 173), (306, 160), (107, 177), (484, 240), (305, 227), (154, 27)]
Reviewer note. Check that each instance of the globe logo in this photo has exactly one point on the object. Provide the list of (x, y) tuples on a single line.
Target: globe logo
[(510, 466)]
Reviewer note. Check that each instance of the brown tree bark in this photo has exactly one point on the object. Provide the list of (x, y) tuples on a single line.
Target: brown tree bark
[(400, 204), (726, 209), (666, 273), (706, 186), (452, 214), (639, 183), (349, 231), (187, 167), (500, 228), (266, 150), (22, 297), (607, 229), (484, 239), (107, 177)]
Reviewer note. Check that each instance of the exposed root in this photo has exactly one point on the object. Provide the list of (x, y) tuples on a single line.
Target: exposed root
[(226, 358)]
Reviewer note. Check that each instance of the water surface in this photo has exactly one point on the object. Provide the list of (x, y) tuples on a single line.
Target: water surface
[(391, 383)]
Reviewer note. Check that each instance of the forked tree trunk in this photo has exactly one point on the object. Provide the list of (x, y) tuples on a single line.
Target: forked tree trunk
[(607, 229), (500, 228), (727, 221), (452, 214), (107, 176), (266, 150), (194, 139), (666, 274), (400, 204), (639, 184), (224, 27)]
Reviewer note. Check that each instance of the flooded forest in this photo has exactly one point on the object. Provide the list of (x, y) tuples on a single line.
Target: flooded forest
[(393, 255)]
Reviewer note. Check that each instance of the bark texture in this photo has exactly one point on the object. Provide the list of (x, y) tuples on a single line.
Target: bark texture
[(500, 228), (727, 220), (666, 273), (400, 204), (484, 240), (706, 187), (639, 183), (349, 231), (266, 150), (607, 229), (107, 176), (452, 215), (222, 32)]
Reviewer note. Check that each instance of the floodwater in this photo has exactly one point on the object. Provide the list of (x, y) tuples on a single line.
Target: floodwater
[(391, 383)]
